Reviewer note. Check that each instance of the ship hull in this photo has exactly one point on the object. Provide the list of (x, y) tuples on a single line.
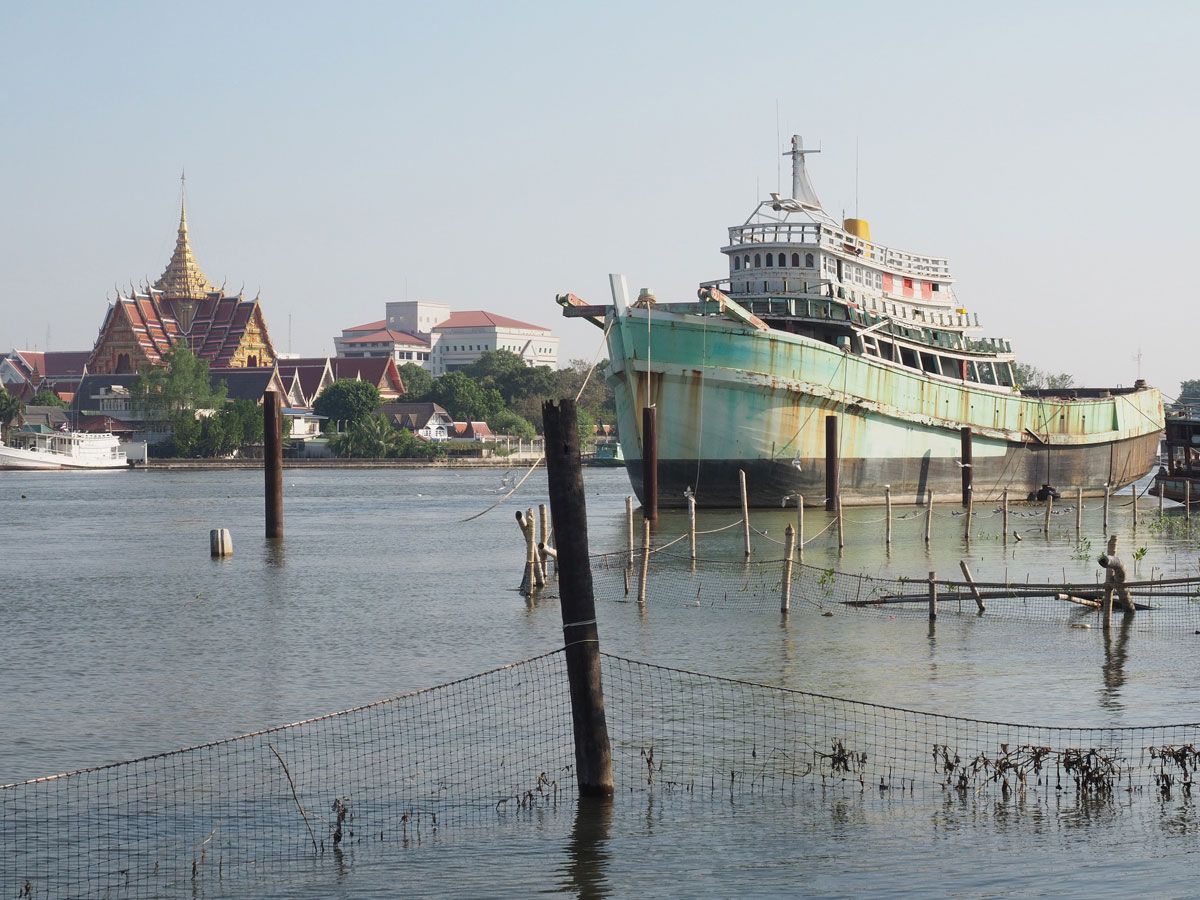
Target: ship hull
[(732, 399)]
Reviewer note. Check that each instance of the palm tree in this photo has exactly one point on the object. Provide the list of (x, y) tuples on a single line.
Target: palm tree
[(10, 409)]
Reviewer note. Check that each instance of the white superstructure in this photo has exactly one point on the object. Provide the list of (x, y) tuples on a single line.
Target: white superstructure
[(40, 449)]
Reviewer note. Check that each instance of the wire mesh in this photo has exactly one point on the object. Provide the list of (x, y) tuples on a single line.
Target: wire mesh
[(464, 754)]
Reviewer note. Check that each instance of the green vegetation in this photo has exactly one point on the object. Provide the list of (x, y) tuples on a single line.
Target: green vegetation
[(226, 432), (161, 393), (47, 397), (1031, 377), (10, 409), (346, 402)]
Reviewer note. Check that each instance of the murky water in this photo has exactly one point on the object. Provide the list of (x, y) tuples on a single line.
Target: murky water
[(122, 637)]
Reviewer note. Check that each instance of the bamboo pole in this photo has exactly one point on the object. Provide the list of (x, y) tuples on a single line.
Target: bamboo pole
[(1078, 511), (1106, 493), (629, 519), (692, 523), (971, 584), (887, 501), (1004, 520), (593, 752), (929, 517), (1187, 501), (932, 596), (745, 510), (1160, 500), (789, 546), (1049, 509), (526, 526), (841, 525), (645, 560), (800, 527), (544, 538), (1134, 493), (970, 511)]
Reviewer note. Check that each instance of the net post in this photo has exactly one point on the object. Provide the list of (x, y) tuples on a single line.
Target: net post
[(970, 511), (629, 519), (1078, 511), (1004, 520), (841, 525), (1049, 510), (929, 518), (1106, 492), (887, 501), (745, 510), (645, 560), (785, 592), (691, 502), (568, 510), (543, 539), (800, 527), (932, 596)]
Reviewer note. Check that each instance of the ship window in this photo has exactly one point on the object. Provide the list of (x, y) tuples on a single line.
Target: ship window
[(808, 260), (971, 373), (986, 374), (950, 366), (770, 260), (795, 260), (929, 363), (936, 286), (1003, 374), (746, 261), (737, 263), (757, 260), (908, 357)]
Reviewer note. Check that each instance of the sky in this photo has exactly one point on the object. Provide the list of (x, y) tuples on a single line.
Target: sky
[(491, 156)]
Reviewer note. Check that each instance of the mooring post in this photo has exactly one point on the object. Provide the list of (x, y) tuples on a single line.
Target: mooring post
[(691, 522), (841, 525), (745, 509), (965, 441), (645, 560), (800, 527), (1078, 511), (568, 509), (831, 463), (789, 547), (273, 461), (649, 462), (929, 517), (932, 596), (220, 543), (887, 502)]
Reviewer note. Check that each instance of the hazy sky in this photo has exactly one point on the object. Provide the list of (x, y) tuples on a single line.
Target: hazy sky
[(492, 155)]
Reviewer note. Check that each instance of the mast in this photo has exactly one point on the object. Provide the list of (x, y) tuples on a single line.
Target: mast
[(802, 190)]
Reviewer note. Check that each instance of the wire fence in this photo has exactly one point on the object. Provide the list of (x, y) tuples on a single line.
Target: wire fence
[(491, 749)]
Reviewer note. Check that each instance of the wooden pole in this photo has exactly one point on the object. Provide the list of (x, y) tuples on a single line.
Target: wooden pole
[(1049, 508), (593, 752), (645, 560), (831, 463), (970, 512), (932, 596), (544, 538), (649, 462), (971, 584), (273, 461), (887, 501), (1004, 519), (1187, 501), (1134, 494), (1078, 511), (1106, 490), (745, 510), (800, 527), (965, 441), (841, 525), (929, 517), (629, 517), (1160, 500), (692, 523), (785, 592), (526, 526)]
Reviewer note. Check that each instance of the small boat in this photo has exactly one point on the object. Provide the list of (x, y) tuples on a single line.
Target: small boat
[(608, 456), (39, 447), (829, 364), (1178, 477)]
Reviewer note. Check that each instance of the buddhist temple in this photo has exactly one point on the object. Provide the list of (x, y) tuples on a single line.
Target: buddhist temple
[(181, 306)]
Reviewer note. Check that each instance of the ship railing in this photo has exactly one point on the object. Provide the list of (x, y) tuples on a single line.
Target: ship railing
[(809, 234)]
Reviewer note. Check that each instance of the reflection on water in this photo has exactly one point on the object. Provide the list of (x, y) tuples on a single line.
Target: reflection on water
[(584, 871), (1114, 663)]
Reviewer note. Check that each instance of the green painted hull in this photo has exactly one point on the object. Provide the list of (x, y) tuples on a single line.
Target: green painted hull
[(729, 397)]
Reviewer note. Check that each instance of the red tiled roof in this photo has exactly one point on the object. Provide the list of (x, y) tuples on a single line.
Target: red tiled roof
[(386, 335), (481, 319), (370, 326), (379, 371)]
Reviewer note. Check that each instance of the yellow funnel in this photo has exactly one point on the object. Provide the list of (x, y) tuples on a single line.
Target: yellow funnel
[(858, 227)]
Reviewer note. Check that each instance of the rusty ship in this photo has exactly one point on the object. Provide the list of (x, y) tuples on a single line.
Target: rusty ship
[(815, 321)]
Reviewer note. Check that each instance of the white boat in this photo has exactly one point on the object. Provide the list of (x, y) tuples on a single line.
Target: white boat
[(38, 447)]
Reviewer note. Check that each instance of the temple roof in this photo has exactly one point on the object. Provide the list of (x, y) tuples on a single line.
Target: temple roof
[(183, 279)]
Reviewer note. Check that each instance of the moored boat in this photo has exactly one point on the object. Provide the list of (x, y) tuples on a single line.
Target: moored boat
[(1178, 477), (39, 447), (815, 320), (608, 456)]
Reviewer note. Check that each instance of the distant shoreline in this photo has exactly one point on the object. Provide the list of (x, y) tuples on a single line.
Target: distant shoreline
[(332, 463)]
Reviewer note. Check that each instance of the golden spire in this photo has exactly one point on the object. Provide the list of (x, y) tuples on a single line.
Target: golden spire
[(183, 279)]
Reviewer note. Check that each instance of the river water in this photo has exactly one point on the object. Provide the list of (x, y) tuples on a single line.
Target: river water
[(122, 638)]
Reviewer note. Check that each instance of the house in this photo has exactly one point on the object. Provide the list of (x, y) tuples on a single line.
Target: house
[(367, 341), (25, 372), (380, 372), (243, 383), (474, 432), (465, 336), (427, 420), (51, 417), (304, 378)]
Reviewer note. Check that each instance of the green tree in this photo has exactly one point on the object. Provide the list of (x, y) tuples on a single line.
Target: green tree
[(1189, 392), (183, 384), (417, 382), (47, 397), (1029, 376), (10, 409), (508, 422), (347, 401), (465, 400), (369, 437)]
